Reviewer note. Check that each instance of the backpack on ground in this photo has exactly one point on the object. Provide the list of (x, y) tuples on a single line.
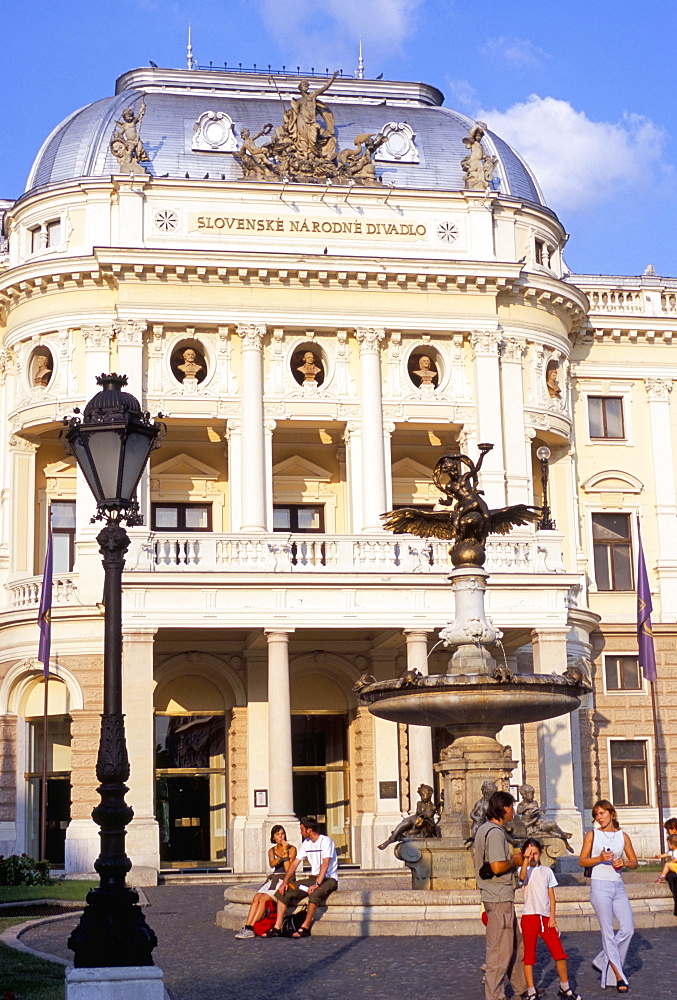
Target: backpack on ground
[(267, 921), (293, 923)]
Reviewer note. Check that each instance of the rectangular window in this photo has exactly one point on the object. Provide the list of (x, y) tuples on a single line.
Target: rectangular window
[(181, 517), (612, 550), (622, 673), (54, 233), (35, 239), (605, 417), (629, 784), (298, 517), (62, 515)]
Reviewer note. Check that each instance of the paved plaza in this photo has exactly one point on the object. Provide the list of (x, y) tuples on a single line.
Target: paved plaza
[(202, 962)]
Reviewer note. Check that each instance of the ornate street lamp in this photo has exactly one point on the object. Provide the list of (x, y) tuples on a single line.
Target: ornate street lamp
[(112, 441), (546, 522)]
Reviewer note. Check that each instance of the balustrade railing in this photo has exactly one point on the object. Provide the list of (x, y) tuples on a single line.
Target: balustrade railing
[(327, 554), (321, 555)]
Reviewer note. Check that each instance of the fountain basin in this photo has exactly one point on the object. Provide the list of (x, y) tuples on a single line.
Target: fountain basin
[(473, 703)]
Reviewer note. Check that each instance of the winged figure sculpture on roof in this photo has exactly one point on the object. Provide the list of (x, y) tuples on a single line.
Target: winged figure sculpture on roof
[(470, 521)]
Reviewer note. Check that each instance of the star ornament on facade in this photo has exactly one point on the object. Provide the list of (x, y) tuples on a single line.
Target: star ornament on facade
[(447, 231), (166, 221)]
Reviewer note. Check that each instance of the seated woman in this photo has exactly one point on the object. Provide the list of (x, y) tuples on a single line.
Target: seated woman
[(280, 856)]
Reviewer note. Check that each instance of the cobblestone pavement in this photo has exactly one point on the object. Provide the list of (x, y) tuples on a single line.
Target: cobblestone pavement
[(203, 962)]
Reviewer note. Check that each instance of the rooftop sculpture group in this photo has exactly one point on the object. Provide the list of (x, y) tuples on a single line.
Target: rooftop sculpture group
[(477, 166), (304, 147)]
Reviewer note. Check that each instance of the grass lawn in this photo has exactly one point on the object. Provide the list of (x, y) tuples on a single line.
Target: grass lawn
[(73, 889), (29, 977)]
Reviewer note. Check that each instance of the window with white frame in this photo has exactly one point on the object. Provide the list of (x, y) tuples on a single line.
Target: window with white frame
[(612, 551), (629, 772), (622, 673), (605, 418)]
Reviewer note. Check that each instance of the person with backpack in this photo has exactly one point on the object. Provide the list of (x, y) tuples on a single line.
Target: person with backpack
[(495, 872), (280, 856), (320, 852)]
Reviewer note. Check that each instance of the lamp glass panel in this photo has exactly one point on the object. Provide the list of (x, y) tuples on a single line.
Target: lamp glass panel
[(137, 450), (105, 447), (82, 457)]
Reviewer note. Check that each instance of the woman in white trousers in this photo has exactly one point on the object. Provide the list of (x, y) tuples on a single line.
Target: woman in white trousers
[(603, 851)]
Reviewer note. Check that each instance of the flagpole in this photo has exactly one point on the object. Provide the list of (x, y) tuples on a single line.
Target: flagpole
[(647, 661), (44, 651), (43, 784), (657, 766)]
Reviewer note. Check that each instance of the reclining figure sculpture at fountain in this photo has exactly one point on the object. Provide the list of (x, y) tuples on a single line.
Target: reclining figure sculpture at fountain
[(477, 696)]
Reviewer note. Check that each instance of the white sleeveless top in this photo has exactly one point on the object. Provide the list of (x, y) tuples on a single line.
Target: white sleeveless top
[(605, 871)]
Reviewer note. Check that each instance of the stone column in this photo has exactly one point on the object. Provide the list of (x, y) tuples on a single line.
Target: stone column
[(129, 335), (555, 749), (143, 845), (252, 459), (8, 796), (234, 438), (518, 473), (420, 742), (485, 345), (280, 785), (353, 491), (658, 390), (374, 492), (268, 428), (22, 520), (82, 836)]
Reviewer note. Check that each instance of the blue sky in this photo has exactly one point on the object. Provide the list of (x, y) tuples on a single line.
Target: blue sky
[(584, 91)]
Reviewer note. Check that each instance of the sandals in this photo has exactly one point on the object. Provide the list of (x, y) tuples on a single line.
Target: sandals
[(302, 932), (622, 986), (272, 932)]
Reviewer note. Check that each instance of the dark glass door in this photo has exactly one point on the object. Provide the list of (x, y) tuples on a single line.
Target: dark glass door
[(183, 815)]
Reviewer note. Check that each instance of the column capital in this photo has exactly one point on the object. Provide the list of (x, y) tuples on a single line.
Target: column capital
[(485, 343), (658, 389), (23, 445), (421, 633), (513, 349), (138, 634), (97, 337), (278, 634), (251, 335), (130, 331), (369, 338)]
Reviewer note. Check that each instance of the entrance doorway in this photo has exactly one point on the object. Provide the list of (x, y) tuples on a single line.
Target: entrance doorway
[(320, 774), (190, 787), (58, 786)]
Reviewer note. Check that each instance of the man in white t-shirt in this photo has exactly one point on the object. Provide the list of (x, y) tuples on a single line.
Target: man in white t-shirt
[(320, 852)]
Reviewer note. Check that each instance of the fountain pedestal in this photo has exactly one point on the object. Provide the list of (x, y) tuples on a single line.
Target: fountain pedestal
[(446, 862)]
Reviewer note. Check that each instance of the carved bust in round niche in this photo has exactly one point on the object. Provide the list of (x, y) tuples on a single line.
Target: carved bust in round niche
[(188, 362), (41, 367), (424, 367), (307, 365)]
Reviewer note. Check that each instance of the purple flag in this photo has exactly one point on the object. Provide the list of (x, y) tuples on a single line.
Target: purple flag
[(647, 655), (45, 612)]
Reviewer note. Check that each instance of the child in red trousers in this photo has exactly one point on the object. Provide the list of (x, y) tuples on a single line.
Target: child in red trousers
[(538, 919)]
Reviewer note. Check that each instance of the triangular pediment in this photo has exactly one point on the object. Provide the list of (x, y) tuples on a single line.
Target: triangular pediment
[(58, 469), (300, 468), (407, 468), (185, 467)]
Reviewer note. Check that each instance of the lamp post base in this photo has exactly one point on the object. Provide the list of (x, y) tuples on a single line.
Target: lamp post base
[(112, 932), (106, 983)]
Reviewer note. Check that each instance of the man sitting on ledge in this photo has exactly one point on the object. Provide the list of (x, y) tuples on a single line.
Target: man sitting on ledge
[(320, 851)]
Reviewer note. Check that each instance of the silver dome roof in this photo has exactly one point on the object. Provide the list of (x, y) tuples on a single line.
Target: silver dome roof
[(175, 99)]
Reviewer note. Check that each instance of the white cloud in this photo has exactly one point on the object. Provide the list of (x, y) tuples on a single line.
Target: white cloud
[(464, 95), (578, 161), (519, 53), (317, 32)]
